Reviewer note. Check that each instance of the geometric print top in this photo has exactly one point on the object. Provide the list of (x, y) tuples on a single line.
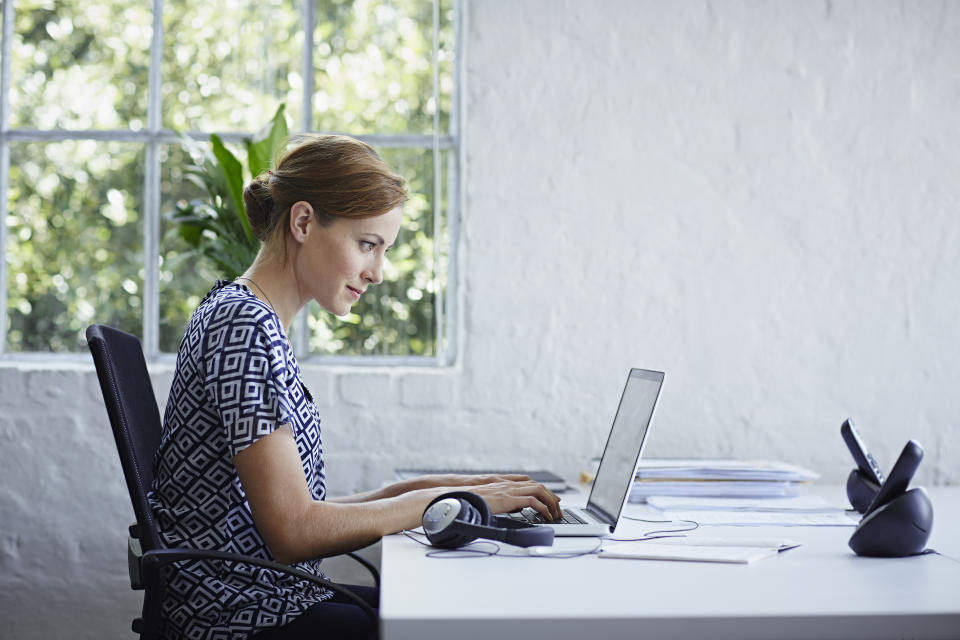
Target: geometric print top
[(236, 380)]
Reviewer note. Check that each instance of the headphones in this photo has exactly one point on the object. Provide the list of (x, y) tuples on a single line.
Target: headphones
[(460, 517)]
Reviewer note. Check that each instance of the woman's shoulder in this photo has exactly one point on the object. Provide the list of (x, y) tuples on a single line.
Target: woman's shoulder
[(232, 311)]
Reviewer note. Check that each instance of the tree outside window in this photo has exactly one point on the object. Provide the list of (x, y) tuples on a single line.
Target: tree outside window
[(96, 98)]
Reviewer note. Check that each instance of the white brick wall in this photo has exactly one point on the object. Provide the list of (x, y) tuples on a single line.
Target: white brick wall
[(758, 197)]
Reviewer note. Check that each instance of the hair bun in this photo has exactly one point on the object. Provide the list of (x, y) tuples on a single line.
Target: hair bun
[(258, 199)]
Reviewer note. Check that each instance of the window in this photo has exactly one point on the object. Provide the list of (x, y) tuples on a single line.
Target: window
[(93, 103)]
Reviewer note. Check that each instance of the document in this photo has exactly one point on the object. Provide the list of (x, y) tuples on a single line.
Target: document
[(780, 544), (762, 518), (686, 552), (811, 504), (642, 489), (723, 469), (717, 477)]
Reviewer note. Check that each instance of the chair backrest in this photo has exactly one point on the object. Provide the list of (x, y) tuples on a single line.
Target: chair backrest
[(134, 417)]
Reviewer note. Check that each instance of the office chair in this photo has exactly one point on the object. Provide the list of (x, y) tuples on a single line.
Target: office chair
[(135, 419)]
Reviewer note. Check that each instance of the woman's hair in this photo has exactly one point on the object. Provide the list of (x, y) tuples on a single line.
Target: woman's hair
[(339, 176)]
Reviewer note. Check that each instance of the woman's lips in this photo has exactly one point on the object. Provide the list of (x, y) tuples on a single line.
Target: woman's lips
[(356, 292)]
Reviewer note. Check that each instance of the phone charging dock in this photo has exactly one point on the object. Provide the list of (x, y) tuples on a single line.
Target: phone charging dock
[(899, 528)]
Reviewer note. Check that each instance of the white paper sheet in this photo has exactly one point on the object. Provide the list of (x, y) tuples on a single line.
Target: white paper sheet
[(750, 518), (812, 504), (689, 553)]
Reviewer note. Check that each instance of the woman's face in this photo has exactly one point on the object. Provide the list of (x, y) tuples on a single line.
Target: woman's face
[(336, 264)]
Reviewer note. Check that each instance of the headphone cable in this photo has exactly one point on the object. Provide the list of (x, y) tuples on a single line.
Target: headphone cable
[(447, 553)]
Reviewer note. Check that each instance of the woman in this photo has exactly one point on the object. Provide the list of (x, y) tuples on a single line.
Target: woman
[(240, 467)]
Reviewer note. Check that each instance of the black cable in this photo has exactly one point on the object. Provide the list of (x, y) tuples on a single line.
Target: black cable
[(483, 553), (645, 520), (650, 535), (643, 539), (934, 552), (450, 553), (465, 552), (410, 535)]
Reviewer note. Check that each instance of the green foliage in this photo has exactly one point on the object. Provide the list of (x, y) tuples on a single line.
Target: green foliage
[(262, 148), (216, 227), (74, 248), (77, 208)]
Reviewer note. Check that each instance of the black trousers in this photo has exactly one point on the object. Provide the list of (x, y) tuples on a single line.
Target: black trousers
[(334, 619)]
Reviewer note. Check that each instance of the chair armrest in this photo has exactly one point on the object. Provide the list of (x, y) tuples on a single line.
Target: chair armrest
[(368, 565), (134, 556), (152, 561)]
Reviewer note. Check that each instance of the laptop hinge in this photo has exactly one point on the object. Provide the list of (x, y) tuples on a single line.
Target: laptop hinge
[(600, 515)]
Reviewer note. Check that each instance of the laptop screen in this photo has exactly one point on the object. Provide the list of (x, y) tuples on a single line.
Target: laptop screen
[(625, 443)]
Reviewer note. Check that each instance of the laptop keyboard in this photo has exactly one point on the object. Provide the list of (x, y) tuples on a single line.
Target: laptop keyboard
[(533, 517)]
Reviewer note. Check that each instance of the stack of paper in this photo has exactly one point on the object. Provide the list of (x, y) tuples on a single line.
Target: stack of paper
[(793, 511), (717, 478)]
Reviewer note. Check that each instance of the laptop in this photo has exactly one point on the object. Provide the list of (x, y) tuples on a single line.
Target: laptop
[(611, 487)]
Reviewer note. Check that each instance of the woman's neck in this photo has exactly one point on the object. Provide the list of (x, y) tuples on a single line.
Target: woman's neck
[(271, 283)]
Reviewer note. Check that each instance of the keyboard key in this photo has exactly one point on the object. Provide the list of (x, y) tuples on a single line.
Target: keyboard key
[(533, 517)]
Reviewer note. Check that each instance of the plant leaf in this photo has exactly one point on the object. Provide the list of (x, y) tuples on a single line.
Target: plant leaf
[(264, 144), (232, 172)]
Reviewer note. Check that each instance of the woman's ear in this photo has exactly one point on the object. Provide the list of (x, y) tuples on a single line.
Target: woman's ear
[(301, 219)]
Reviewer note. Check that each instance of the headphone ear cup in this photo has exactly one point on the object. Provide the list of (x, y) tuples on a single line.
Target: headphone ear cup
[(483, 515), (442, 529)]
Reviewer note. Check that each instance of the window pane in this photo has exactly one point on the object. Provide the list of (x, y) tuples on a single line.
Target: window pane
[(373, 63), (75, 225), (227, 64), (183, 279), (397, 316), (74, 248), (80, 65)]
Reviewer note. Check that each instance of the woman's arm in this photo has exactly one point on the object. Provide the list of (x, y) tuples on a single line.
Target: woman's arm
[(448, 480), (296, 527)]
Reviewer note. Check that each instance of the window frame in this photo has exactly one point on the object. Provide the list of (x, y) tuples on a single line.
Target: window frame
[(153, 136)]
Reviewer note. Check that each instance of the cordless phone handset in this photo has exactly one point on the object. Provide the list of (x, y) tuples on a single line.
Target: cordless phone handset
[(899, 479), (865, 462)]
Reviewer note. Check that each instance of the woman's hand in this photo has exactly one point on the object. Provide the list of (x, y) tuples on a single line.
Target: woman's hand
[(513, 495), (503, 493)]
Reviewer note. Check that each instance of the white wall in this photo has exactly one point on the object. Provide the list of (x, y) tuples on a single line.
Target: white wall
[(759, 198)]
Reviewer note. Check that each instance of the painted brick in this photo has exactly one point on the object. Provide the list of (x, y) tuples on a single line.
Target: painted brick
[(53, 388), (322, 385), (11, 386), (366, 389), (433, 391)]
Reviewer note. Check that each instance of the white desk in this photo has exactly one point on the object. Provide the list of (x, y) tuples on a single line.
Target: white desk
[(819, 590)]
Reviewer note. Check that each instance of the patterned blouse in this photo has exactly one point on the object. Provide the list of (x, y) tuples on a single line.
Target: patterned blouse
[(236, 380)]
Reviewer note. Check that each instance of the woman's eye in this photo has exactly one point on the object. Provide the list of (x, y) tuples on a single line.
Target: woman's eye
[(367, 246)]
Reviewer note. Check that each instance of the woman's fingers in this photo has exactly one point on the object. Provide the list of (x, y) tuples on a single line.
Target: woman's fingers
[(507, 492), (515, 495)]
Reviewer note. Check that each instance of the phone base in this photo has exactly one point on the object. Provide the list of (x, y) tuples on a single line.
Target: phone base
[(899, 528), (860, 490)]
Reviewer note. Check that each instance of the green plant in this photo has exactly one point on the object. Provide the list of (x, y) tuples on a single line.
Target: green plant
[(216, 226)]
